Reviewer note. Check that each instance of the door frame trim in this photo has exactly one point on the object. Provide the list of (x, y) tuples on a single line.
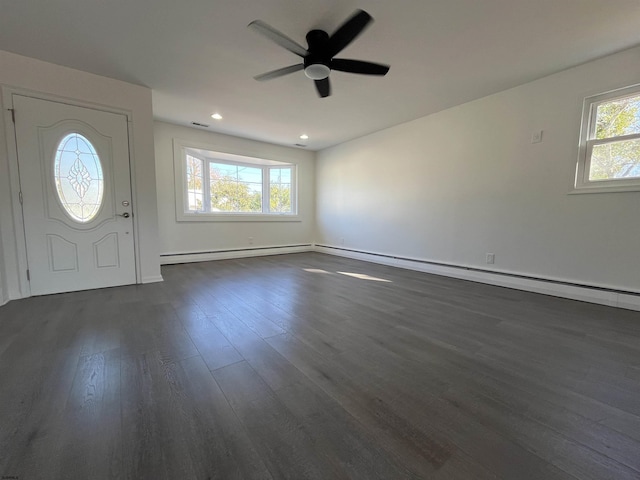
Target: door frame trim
[(7, 92)]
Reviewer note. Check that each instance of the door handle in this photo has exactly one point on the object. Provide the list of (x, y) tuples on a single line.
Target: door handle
[(125, 214)]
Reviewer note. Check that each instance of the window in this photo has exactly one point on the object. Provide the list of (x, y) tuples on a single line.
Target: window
[(609, 158), (235, 188), (221, 186), (78, 177), (195, 184)]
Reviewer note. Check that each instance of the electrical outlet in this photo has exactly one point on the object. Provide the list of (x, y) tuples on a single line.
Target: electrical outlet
[(250, 240), (342, 241), (536, 137), (491, 258)]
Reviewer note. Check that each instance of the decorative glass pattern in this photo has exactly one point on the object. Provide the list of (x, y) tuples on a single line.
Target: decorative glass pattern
[(78, 177)]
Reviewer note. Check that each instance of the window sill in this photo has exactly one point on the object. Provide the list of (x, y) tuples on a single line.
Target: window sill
[(208, 217), (604, 189)]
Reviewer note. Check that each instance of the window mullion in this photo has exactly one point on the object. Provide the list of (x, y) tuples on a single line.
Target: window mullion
[(185, 183), (266, 192), (621, 138), (593, 120), (206, 183), (294, 191)]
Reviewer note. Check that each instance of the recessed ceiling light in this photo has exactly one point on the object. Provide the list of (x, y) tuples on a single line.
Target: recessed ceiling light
[(216, 116), (304, 136)]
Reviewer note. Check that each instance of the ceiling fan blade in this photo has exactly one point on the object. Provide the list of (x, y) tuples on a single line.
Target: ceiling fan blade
[(348, 31), (278, 37), (324, 87), (280, 72), (358, 66)]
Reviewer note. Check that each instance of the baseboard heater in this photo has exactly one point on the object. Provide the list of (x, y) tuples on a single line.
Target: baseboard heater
[(559, 288), (208, 255)]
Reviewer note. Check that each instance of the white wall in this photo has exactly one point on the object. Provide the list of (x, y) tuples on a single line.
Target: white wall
[(41, 77), (455, 185), (187, 237)]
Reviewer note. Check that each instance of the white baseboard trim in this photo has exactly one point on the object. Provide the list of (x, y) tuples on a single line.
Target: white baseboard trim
[(189, 257), (152, 279), (630, 302), (584, 293)]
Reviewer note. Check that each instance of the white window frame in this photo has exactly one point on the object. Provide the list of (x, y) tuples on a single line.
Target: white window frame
[(581, 183), (208, 154)]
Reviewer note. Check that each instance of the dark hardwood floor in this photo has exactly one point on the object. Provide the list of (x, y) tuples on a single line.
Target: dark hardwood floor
[(313, 366)]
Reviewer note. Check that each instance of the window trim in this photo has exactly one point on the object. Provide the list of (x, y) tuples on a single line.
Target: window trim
[(581, 182), (180, 148)]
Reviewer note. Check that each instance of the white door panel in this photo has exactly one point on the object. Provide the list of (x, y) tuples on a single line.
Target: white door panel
[(76, 187)]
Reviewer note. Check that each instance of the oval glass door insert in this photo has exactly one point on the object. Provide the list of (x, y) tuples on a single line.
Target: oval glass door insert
[(78, 177)]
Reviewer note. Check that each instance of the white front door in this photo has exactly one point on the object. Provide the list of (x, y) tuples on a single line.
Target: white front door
[(76, 193)]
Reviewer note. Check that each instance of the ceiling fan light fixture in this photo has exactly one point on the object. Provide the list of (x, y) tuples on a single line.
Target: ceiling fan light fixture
[(317, 71)]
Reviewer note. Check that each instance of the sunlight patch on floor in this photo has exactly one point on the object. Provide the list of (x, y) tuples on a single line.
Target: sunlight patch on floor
[(363, 276)]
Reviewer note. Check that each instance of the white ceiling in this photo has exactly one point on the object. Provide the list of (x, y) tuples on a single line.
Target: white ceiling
[(199, 57)]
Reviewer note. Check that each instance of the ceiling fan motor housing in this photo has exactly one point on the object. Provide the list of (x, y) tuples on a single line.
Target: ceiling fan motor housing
[(316, 63)]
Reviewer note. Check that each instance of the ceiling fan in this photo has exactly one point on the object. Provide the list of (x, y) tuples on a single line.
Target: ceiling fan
[(318, 59)]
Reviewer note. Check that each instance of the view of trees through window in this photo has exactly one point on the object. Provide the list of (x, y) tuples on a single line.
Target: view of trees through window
[(620, 157), (235, 188), (231, 187), (195, 190), (280, 190)]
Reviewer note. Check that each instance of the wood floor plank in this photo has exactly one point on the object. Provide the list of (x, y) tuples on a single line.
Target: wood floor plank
[(31, 414), (219, 447), (424, 439), (212, 345), (268, 363), (90, 443), (571, 457), (286, 447), (423, 452), (151, 447), (341, 436), (315, 366), (537, 407), (155, 328)]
